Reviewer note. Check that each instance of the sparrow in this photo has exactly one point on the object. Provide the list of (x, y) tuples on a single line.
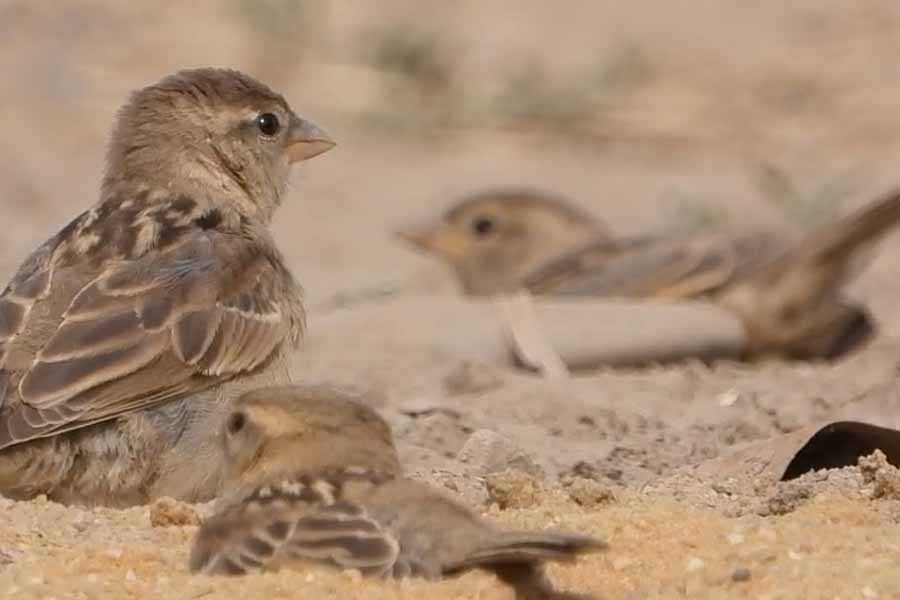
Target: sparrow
[(786, 292), (313, 477), (124, 337)]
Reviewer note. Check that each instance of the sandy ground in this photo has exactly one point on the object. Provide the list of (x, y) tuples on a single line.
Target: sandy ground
[(812, 87)]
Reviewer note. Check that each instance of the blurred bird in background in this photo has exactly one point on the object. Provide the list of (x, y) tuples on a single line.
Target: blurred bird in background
[(787, 292)]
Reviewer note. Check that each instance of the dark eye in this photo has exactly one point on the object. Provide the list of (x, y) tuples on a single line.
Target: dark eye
[(268, 123), (483, 226), (236, 422)]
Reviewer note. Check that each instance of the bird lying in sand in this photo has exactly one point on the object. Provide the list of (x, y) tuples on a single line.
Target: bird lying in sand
[(124, 337), (786, 292), (313, 478)]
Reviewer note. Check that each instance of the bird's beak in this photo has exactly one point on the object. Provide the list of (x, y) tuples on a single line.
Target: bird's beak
[(306, 140), (431, 236), (418, 234)]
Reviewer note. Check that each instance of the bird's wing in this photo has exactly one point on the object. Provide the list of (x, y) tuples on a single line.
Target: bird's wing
[(289, 526), (661, 267), (168, 324)]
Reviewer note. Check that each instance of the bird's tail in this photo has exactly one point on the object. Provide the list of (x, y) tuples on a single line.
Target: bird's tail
[(793, 303), (530, 547), (828, 255), (517, 558)]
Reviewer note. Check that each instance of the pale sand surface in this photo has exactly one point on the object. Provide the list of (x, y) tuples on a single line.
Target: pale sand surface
[(812, 86)]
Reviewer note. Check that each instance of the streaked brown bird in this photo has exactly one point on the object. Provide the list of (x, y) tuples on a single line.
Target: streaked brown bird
[(313, 477), (787, 292), (124, 337)]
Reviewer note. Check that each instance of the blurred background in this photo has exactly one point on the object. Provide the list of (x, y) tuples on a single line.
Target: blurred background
[(715, 112)]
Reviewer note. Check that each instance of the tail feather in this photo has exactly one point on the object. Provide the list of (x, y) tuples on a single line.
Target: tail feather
[(832, 249), (530, 547), (793, 304), (861, 227)]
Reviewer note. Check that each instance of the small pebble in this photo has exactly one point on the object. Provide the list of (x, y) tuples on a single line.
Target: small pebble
[(514, 489), (588, 492), (740, 574), (735, 538), (487, 451), (694, 564), (728, 398)]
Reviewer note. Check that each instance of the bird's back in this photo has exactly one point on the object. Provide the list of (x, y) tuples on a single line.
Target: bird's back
[(656, 266)]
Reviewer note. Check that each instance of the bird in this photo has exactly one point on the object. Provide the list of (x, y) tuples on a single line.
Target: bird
[(313, 477), (125, 335), (787, 292)]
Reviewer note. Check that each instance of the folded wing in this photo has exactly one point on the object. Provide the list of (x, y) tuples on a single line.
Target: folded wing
[(662, 267), (290, 530), (173, 322)]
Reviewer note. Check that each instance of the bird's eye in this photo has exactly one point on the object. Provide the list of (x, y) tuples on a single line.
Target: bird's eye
[(236, 423), (483, 226), (268, 123)]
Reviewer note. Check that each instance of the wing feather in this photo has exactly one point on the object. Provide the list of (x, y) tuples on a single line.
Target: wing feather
[(652, 267), (290, 527), (168, 324)]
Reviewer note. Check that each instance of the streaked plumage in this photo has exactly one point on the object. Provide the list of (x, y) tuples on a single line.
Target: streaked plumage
[(314, 478), (118, 333)]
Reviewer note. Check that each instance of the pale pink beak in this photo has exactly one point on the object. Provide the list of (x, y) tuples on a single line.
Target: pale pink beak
[(418, 234), (307, 140)]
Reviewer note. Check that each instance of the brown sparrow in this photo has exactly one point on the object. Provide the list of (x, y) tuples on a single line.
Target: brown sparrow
[(313, 477), (124, 337)]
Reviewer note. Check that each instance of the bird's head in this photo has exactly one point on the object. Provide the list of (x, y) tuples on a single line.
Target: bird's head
[(492, 238), (216, 135), (291, 430)]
